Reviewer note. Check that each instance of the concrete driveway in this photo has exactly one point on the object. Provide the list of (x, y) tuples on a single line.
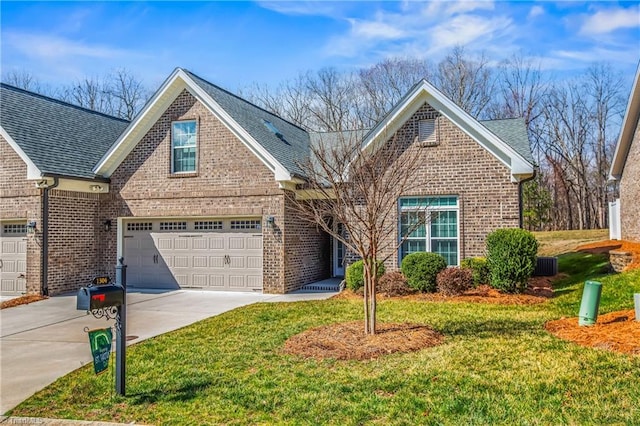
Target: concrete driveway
[(45, 340)]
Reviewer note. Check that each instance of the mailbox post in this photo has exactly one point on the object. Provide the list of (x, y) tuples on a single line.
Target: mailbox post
[(110, 301)]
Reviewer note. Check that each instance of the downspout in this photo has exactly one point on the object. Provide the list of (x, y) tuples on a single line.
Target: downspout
[(520, 204), (45, 236)]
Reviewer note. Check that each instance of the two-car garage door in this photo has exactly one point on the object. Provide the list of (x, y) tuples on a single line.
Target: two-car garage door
[(209, 254)]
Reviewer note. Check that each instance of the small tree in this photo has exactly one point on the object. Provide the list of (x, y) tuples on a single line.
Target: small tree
[(359, 187)]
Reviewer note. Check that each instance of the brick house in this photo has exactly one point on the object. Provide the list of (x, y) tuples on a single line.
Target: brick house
[(193, 192), (625, 169)]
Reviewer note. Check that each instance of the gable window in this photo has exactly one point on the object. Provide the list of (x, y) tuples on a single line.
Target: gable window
[(183, 146), (427, 132), (430, 224)]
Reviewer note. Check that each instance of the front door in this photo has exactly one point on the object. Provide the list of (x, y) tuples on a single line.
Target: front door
[(338, 254)]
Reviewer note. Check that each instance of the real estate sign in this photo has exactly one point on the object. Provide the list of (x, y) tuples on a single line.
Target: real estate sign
[(100, 341)]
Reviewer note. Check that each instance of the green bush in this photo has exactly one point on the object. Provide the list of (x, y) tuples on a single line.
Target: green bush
[(454, 281), (511, 258), (479, 269), (421, 270), (355, 274)]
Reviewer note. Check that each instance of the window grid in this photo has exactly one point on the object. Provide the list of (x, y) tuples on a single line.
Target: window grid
[(208, 225), (183, 144), (245, 224), (439, 235), (173, 226), (143, 226), (15, 228)]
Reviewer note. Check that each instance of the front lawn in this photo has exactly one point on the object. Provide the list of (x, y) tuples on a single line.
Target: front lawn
[(497, 366)]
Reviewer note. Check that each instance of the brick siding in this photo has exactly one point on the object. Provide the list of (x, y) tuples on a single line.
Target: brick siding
[(630, 191)]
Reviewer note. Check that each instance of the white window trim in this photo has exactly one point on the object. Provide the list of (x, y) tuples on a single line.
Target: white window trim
[(173, 148), (429, 209), (432, 139)]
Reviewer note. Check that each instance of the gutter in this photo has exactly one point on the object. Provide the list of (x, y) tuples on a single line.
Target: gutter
[(520, 206), (45, 236)]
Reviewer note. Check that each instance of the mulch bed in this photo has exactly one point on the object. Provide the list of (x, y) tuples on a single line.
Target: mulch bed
[(347, 341), (615, 331), (604, 247), (23, 300)]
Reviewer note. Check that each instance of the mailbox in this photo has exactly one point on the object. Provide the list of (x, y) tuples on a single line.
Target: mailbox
[(99, 297)]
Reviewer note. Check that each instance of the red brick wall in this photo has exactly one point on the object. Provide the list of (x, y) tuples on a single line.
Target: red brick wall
[(630, 191), (20, 199), (230, 181), (459, 166)]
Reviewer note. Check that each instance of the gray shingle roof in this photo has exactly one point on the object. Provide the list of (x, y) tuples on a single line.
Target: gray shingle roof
[(60, 139), (513, 131), (291, 149)]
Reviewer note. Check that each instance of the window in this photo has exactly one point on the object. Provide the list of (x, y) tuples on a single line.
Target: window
[(15, 229), (146, 226), (430, 224), (173, 226), (208, 225), (245, 224), (183, 147), (427, 132)]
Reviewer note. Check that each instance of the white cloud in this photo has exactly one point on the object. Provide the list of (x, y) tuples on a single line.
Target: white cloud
[(609, 20), (536, 11), (375, 30), (49, 46), (464, 6), (465, 29), (313, 8)]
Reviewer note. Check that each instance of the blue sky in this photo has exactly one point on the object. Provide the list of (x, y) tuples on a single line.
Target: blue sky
[(235, 44)]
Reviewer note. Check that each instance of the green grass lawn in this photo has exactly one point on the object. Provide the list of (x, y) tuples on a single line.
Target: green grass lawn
[(497, 366)]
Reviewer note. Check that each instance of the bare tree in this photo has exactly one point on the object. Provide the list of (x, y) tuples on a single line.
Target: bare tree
[(359, 188), (23, 80), (469, 82)]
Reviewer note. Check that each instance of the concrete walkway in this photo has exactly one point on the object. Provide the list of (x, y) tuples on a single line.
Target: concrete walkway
[(45, 340)]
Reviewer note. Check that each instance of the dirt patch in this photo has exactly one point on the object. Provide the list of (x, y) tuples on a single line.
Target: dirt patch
[(539, 290), (606, 246), (22, 300), (347, 341), (616, 331)]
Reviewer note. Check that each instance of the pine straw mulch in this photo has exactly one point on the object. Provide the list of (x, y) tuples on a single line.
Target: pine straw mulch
[(615, 331), (604, 247), (347, 341), (22, 300)]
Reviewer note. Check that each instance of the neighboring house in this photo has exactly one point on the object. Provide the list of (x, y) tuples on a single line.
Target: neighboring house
[(625, 168), (48, 149), (193, 193)]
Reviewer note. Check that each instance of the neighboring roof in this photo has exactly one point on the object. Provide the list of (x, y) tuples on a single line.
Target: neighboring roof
[(511, 151), (279, 150), (54, 137), (512, 131), (629, 125)]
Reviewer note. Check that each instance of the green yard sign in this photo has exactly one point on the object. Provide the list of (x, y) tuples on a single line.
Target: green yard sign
[(100, 341)]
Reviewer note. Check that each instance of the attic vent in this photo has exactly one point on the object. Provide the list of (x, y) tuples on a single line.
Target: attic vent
[(273, 129), (427, 133)]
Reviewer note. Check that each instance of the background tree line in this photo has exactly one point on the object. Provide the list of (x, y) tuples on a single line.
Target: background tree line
[(573, 124)]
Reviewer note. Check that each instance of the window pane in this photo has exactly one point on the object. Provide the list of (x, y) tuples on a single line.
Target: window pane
[(184, 134), (444, 224), (413, 246), (409, 223), (184, 160), (447, 248)]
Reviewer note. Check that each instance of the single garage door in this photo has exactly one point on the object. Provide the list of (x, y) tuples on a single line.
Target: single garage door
[(216, 254), (13, 258)]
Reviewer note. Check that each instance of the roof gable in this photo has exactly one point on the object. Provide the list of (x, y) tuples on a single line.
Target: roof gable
[(280, 151), (518, 160), (53, 137), (629, 125)]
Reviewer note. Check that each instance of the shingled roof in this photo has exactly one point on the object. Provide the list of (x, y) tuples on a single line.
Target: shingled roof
[(59, 138), (513, 131)]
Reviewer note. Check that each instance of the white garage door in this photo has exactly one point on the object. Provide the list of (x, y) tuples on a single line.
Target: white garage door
[(13, 258), (208, 254)]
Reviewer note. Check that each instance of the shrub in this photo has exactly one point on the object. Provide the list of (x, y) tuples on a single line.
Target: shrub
[(421, 270), (479, 269), (454, 281), (394, 284), (511, 258), (355, 274)]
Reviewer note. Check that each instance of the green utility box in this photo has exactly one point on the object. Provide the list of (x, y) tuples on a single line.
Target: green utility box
[(590, 303)]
